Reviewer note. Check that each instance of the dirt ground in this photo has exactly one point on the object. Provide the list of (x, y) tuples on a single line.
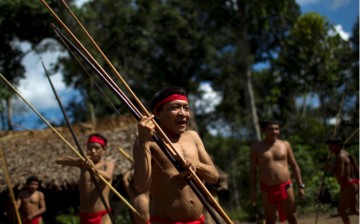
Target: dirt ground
[(322, 219), (326, 219)]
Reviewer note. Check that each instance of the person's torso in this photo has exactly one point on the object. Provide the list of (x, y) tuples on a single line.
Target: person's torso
[(30, 202), (342, 167), (90, 200), (171, 196), (273, 162)]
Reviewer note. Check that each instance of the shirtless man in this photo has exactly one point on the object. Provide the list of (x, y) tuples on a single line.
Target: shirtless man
[(172, 200), (346, 173), (92, 209), (140, 201), (31, 202), (273, 156)]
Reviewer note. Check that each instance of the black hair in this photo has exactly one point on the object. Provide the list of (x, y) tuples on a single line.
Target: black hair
[(335, 140), (31, 179), (265, 123), (162, 94), (99, 136)]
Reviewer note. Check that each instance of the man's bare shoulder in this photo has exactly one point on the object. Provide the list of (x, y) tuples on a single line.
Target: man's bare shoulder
[(41, 194), (191, 133), (343, 156), (109, 161)]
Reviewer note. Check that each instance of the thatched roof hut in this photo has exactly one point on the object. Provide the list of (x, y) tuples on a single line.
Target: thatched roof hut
[(34, 152)]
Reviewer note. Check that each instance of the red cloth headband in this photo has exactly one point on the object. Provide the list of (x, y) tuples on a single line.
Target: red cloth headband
[(170, 98), (96, 139)]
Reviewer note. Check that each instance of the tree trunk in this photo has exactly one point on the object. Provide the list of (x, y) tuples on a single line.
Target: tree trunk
[(250, 90), (304, 106), (92, 115), (9, 114)]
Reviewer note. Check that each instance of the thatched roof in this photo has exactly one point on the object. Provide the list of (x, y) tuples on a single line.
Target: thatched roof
[(34, 152)]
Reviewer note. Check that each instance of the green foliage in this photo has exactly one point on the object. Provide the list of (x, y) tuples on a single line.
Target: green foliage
[(158, 43), (69, 218)]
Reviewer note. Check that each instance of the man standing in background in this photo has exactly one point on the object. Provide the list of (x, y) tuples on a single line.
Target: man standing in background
[(273, 157)]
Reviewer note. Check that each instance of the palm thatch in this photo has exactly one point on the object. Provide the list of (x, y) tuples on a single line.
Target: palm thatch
[(34, 152)]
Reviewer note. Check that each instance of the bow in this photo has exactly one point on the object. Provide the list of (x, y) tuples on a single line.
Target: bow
[(78, 146), (71, 147), (159, 136), (8, 183)]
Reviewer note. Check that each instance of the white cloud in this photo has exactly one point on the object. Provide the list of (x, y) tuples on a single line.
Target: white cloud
[(209, 99), (339, 30), (336, 4), (35, 87), (332, 4), (307, 2), (79, 3)]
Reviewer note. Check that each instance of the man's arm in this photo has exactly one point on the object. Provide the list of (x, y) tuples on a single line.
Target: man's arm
[(295, 169), (252, 175), (107, 174), (142, 155), (18, 200), (142, 166), (205, 167)]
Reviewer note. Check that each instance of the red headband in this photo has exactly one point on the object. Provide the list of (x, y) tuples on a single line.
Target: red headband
[(170, 98), (96, 139)]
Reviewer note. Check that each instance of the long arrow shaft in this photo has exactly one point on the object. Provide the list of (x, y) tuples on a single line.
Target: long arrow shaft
[(92, 175), (8, 183), (70, 146), (125, 100)]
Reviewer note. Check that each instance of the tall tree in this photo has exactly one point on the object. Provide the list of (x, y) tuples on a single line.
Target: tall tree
[(152, 43), (310, 63), (252, 33)]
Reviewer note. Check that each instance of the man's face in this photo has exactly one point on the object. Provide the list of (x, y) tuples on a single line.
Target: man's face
[(334, 147), (272, 132), (95, 151), (33, 186), (174, 117)]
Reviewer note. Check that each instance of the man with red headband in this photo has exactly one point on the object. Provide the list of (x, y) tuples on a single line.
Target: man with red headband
[(172, 200), (346, 172), (92, 209), (273, 157)]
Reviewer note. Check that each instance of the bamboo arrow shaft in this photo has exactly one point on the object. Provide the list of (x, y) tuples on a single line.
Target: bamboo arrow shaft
[(159, 130), (8, 183), (92, 175), (70, 146)]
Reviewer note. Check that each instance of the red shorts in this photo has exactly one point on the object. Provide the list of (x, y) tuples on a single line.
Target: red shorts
[(35, 220), (91, 217), (349, 182), (155, 218), (277, 194)]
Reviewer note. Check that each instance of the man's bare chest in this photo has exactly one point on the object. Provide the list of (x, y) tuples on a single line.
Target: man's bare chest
[(32, 198), (273, 153)]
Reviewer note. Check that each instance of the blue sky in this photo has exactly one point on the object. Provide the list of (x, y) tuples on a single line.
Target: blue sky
[(343, 12), (36, 89)]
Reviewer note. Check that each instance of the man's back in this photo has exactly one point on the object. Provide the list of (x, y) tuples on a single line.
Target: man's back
[(342, 167)]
